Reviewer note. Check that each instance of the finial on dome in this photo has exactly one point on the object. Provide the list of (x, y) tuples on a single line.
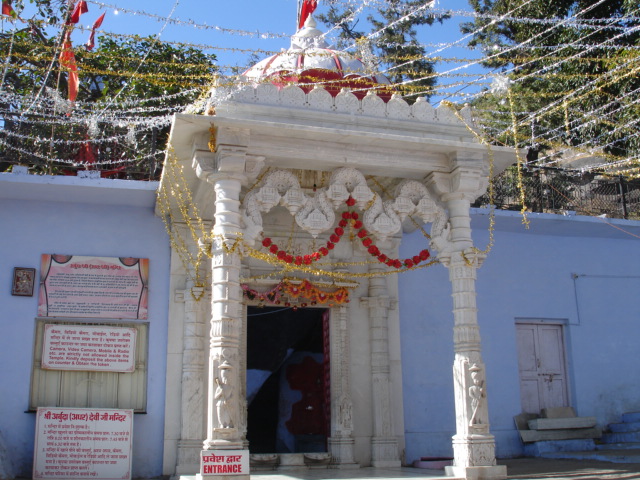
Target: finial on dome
[(308, 36), (310, 22), (308, 6)]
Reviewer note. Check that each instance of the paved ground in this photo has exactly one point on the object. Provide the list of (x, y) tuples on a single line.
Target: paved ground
[(562, 469), (522, 469)]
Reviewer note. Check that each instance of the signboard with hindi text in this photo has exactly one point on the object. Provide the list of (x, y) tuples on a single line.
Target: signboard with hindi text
[(88, 347), (93, 287), (224, 462), (83, 444)]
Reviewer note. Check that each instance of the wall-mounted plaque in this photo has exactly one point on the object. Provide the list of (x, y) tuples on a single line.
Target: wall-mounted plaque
[(87, 347), (96, 287), (83, 444), (23, 280)]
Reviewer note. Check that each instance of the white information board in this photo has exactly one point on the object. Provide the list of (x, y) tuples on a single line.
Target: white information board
[(83, 347), (83, 443)]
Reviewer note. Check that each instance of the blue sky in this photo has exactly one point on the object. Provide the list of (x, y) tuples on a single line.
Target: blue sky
[(254, 25)]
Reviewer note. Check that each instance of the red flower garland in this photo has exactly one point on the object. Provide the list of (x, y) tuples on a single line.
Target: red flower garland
[(305, 290), (352, 218)]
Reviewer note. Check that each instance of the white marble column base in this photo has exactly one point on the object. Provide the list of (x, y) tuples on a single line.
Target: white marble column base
[(495, 472)]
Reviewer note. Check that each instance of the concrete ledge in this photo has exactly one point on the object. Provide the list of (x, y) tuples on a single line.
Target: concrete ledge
[(562, 423), (495, 472), (529, 436), (542, 449)]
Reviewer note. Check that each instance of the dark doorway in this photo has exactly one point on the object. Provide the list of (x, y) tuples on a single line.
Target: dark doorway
[(287, 379)]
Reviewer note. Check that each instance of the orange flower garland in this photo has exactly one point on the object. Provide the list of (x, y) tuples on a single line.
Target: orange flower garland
[(349, 218), (305, 290)]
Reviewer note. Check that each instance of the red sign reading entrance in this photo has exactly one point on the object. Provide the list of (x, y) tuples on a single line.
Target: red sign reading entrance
[(224, 462)]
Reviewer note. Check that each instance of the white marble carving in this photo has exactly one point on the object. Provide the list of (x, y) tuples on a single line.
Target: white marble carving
[(414, 198), (381, 219), (292, 96), (398, 108), (267, 94), (347, 102), (423, 111), (444, 114), (373, 105), (319, 99), (317, 215), (345, 182)]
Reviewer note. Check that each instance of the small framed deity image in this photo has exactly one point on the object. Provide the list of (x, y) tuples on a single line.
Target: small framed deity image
[(23, 281)]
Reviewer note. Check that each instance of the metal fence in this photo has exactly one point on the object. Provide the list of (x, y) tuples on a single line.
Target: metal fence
[(559, 191)]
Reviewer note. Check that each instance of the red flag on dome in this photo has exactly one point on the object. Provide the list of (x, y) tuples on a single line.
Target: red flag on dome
[(68, 62), (92, 37), (308, 6), (79, 9), (8, 10)]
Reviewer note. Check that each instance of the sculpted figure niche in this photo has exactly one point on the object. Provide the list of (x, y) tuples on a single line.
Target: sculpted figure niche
[(223, 396)]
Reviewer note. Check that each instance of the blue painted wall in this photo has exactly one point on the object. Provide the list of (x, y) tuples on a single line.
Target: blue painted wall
[(583, 272), (68, 215)]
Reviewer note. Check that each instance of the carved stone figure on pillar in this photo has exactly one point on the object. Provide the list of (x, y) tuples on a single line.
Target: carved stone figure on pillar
[(223, 396), (476, 393)]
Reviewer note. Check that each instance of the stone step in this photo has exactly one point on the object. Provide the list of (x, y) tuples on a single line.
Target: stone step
[(623, 437), (613, 456), (624, 427), (541, 448), (562, 423), (529, 436), (631, 417), (618, 446)]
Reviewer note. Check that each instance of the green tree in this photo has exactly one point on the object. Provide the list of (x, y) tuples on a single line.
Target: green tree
[(572, 66), (394, 42), (128, 88)]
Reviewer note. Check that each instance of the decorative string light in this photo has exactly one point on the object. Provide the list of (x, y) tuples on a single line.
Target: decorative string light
[(455, 82)]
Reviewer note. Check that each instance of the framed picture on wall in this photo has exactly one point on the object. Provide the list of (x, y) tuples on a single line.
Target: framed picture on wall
[(23, 280)]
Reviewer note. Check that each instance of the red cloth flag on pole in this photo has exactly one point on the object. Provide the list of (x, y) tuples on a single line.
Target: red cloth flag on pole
[(79, 9), (92, 38), (308, 6), (8, 10), (68, 62)]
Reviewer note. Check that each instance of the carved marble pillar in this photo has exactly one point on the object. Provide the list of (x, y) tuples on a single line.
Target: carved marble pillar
[(225, 394), (226, 421), (473, 444), (193, 382), (341, 442), (384, 445)]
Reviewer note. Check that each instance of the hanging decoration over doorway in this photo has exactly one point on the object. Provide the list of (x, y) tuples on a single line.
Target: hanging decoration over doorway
[(288, 292)]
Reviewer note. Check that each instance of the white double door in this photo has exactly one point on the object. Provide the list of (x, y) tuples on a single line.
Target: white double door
[(541, 361)]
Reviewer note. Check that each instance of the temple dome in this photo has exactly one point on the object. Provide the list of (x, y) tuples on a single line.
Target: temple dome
[(309, 61)]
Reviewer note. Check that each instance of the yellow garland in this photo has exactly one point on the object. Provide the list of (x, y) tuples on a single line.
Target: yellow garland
[(519, 163)]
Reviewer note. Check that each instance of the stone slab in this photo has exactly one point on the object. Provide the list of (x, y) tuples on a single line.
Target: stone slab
[(558, 412), (562, 423), (495, 472), (624, 427), (529, 436), (622, 437), (631, 417), (523, 419), (544, 448)]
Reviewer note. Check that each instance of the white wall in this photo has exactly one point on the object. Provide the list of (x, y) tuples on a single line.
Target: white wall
[(529, 275), (70, 215)]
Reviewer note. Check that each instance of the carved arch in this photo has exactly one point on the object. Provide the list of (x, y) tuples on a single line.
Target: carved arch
[(413, 198)]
